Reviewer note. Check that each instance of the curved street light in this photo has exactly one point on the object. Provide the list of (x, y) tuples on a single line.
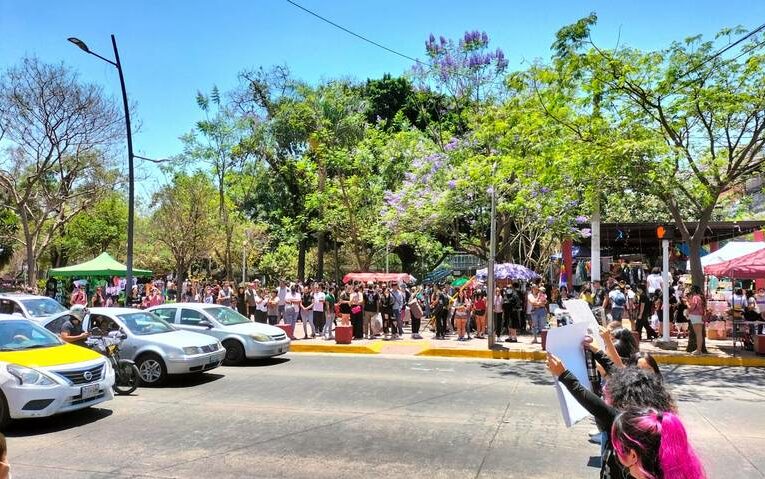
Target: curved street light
[(131, 178)]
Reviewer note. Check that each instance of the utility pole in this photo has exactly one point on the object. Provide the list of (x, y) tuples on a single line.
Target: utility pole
[(492, 254)]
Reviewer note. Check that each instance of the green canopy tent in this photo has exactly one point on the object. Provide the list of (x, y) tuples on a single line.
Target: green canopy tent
[(103, 265)]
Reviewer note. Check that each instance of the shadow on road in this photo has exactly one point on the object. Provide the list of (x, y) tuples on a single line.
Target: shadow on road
[(259, 363), (533, 372), (46, 425), (718, 382), (190, 380)]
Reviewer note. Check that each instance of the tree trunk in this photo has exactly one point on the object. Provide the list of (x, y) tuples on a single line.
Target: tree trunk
[(301, 260), (320, 255), (697, 271), (31, 258)]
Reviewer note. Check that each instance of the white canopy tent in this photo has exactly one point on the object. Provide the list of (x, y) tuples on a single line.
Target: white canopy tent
[(731, 250)]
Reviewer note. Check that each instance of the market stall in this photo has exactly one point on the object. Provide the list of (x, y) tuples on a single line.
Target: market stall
[(101, 266)]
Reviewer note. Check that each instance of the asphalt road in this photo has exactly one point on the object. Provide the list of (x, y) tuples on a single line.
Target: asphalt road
[(337, 416)]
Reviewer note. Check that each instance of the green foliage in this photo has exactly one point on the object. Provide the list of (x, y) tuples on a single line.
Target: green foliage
[(9, 228), (102, 227)]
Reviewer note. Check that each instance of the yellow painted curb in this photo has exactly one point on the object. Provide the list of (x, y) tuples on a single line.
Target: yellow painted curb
[(709, 360), (330, 348), (485, 354)]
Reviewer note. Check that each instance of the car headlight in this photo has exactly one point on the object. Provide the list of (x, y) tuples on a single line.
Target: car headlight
[(190, 350), (261, 338), (29, 377)]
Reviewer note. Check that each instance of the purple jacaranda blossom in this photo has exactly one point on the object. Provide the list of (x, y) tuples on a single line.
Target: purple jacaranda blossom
[(490, 190), (453, 144), (452, 184), (544, 190), (585, 232), (582, 219), (534, 193), (573, 204), (550, 220)]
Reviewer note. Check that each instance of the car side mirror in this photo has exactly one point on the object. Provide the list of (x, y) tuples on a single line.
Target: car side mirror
[(205, 324)]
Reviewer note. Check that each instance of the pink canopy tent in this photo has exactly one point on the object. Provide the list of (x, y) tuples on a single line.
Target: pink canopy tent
[(379, 277), (750, 266)]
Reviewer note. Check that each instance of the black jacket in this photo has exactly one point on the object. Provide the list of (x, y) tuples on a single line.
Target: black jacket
[(604, 415)]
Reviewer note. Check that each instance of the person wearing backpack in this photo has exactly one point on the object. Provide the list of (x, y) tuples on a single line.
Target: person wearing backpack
[(618, 302)]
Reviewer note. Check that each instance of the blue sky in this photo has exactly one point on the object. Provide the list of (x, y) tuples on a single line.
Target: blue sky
[(171, 49)]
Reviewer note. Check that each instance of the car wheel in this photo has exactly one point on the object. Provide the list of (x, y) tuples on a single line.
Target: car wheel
[(152, 369), (5, 415), (234, 352)]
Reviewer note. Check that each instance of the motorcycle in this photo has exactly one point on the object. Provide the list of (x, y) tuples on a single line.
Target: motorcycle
[(126, 375)]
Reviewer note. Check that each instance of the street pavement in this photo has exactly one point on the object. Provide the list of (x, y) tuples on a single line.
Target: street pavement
[(319, 416)]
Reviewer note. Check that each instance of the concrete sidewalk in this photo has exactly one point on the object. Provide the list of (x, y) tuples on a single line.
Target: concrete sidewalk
[(721, 352)]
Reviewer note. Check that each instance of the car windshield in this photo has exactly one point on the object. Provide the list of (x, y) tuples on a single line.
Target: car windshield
[(41, 307), (226, 316), (143, 323), (22, 334)]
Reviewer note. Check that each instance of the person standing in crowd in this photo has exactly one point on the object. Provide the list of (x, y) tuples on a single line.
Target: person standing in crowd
[(499, 326), (371, 308), (292, 306), (329, 312), (537, 302), (511, 310), (618, 302), (461, 314), (386, 312), (306, 312), (5, 468), (250, 301), (644, 310), (155, 299), (696, 309), (261, 304), (440, 306), (98, 298), (225, 295), (398, 305), (479, 309), (357, 312), (78, 296), (654, 281), (241, 302), (272, 307), (208, 297), (344, 305), (319, 298), (415, 310), (281, 297), (651, 443)]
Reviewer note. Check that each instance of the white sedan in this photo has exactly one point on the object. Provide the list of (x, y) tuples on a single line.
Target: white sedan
[(158, 348), (241, 337), (41, 375)]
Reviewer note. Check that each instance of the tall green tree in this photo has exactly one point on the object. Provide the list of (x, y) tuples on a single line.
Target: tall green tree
[(706, 110), (184, 219)]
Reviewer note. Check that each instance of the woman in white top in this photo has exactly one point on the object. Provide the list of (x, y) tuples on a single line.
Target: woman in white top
[(654, 281)]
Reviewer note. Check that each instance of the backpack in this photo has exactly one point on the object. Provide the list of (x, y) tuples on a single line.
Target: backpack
[(620, 300)]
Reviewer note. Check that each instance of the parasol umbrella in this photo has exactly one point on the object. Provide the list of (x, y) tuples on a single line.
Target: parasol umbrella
[(510, 271), (460, 282)]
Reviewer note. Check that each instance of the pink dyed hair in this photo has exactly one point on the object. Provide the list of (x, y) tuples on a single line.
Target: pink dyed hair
[(661, 443)]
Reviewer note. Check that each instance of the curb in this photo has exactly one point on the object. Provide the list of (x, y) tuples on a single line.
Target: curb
[(522, 355), (330, 348)]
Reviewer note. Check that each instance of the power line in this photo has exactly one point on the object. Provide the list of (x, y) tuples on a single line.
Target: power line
[(724, 49), (361, 37)]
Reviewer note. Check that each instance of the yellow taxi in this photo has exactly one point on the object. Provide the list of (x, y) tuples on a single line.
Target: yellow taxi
[(41, 375)]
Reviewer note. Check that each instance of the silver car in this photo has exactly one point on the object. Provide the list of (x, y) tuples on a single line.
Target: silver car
[(158, 348), (29, 306), (241, 337)]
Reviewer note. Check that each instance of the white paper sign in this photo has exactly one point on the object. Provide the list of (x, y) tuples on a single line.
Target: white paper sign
[(580, 312), (565, 342)]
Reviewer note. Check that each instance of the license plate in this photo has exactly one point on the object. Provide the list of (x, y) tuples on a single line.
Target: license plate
[(90, 391)]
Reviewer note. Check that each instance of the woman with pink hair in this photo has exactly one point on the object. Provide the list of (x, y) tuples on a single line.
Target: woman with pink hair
[(654, 445)]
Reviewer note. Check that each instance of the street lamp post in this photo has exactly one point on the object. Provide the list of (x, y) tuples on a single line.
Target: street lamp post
[(131, 178), (492, 254)]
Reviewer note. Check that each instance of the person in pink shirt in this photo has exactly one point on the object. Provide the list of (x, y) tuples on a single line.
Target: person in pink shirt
[(156, 298)]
